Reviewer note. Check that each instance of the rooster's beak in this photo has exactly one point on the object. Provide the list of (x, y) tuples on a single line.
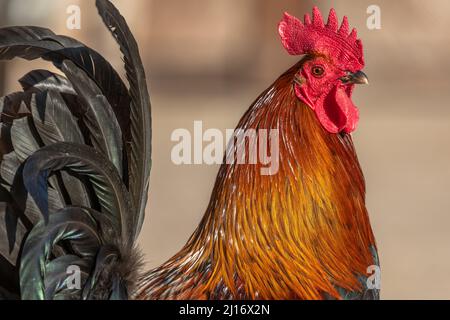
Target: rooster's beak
[(356, 78)]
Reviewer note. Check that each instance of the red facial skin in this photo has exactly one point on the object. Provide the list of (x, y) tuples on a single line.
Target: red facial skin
[(327, 95)]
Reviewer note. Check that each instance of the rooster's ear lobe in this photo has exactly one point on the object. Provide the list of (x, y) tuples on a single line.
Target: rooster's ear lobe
[(289, 29)]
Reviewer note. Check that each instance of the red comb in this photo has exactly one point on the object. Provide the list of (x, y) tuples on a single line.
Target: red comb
[(315, 37)]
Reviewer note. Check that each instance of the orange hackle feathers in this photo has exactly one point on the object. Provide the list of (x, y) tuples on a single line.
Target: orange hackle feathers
[(299, 234)]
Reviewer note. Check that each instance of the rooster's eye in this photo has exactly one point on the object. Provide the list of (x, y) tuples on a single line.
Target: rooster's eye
[(317, 71)]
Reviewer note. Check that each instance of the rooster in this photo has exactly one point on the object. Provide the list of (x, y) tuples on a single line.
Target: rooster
[(303, 233), (76, 156)]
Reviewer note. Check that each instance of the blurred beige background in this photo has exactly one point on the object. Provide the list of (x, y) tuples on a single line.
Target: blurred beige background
[(208, 60)]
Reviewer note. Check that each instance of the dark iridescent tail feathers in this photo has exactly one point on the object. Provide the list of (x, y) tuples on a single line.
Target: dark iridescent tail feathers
[(75, 152)]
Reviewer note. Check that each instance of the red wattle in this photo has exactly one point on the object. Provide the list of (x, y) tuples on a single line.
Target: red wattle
[(336, 111), (348, 108)]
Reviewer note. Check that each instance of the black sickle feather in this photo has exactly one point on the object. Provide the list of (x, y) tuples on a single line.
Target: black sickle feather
[(106, 258), (85, 161), (34, 42), (23, 206), (56, 277), (26, 141), (53, 119), (43, 80), (14, 106), (55, 123), (12, 230), (23, 138), (141, 122), (70, 224), (102, 123), (64, 145)]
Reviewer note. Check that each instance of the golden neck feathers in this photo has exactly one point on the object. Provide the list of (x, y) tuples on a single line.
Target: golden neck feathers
[(299, 234)]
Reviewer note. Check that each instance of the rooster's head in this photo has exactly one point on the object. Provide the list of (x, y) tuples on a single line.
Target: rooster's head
[(332, 66)]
